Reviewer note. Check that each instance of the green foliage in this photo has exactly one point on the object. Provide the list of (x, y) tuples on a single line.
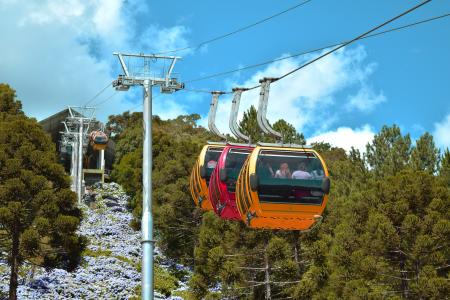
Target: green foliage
[(396, 239), (444, 170), (117, 124), (383, 227), (389, 152), (176, 144), (38, 212), (290, 134), (384, 235), (425, 155), (165, 282), (249, 125), (97, 253), (8, 102)]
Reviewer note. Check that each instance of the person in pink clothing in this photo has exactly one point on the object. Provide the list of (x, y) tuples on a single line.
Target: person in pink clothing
[(301, 172)]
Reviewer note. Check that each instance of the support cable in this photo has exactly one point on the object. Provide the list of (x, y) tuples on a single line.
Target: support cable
[(309, 51), (340, 44), (98, 94), (237, 30), (106, 99), (355, 39), (203, 91)]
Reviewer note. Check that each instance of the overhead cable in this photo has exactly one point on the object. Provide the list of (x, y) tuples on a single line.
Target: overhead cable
[(201, 91), (98, 94), (237, 30), (106, 99), (355, 39), (312, 51)]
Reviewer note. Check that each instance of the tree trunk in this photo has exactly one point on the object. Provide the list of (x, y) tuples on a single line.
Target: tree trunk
[(296, 236), (404, 284), (13, 280), (267, 271)]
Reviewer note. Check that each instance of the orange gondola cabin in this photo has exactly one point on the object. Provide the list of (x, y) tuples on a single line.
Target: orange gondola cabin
[(201, 174), (282, 188), (98, 140)]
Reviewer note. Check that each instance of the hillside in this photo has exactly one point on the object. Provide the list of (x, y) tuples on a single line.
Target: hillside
[(110, 268)]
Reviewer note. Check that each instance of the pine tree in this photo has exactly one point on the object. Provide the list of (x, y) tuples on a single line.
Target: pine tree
[(390, 247), (290, 134), (176, 144), (425, 155), (8, 102), (384, 234), (38, 213), (444, 170), (118, 123), (389, 151), (249, 125)]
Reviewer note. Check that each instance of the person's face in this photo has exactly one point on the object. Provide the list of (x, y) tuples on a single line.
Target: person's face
[(302, 166), (284, 167)]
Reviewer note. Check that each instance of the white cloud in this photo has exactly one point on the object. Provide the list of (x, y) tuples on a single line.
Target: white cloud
[(168, 108), (60, 52), (345, 137), (103, 20), (107, 17), (365, 99), (48, 67), (53, 11), (305, 97), (159, 39), (442, 133)]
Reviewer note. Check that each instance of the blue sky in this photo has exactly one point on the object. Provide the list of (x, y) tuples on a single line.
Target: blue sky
[(59, 53)]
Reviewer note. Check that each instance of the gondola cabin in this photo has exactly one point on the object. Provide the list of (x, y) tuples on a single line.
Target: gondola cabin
[(222, 185), (98, 140), (282, 188), (201, 174)]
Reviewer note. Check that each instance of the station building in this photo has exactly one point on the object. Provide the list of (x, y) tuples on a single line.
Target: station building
[(93, 169)]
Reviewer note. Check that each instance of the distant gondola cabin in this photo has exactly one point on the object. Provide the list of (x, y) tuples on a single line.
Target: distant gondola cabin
[(98, 140), (201, 174)]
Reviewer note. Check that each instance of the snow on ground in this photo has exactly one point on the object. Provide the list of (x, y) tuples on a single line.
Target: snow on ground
[(109, 268)]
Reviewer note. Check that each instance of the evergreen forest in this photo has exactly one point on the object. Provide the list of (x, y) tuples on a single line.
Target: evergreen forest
[(385, 233), (39, 215)]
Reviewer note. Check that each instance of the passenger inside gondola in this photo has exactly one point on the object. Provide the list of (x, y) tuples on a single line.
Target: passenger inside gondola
[(301, 172), (211, 164), (303, 186), (211, 157), (283, 171)]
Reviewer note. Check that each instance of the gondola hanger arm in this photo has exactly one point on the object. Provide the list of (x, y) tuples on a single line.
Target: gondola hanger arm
[(234, 127), (212, 114), (262, 108)]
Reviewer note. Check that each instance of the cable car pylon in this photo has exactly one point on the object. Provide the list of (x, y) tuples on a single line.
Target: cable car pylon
[(168, 84)]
